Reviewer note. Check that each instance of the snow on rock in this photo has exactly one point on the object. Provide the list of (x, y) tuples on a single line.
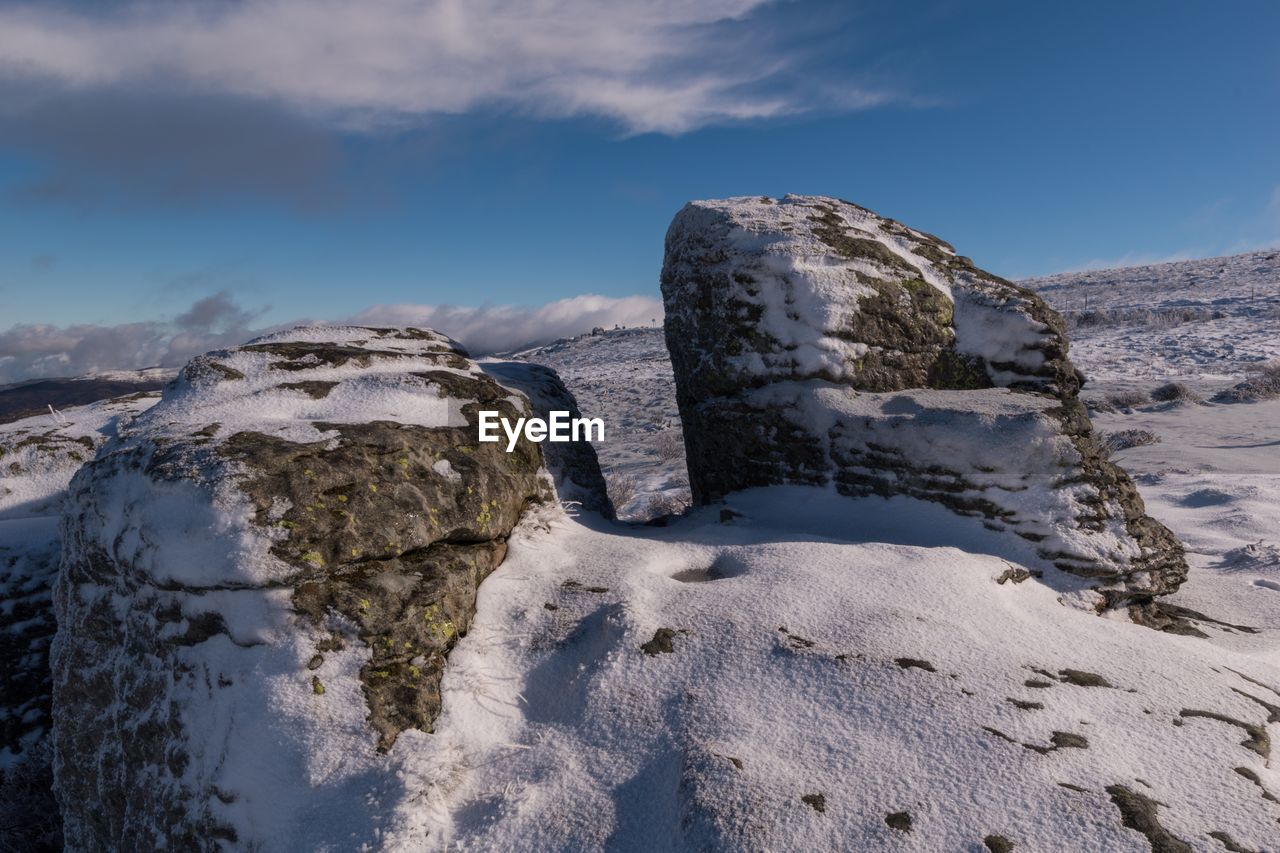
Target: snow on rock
[(262, 576), (798, 326), (38, 456)]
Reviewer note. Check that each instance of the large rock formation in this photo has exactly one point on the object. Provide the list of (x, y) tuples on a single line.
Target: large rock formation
[(38, 456), (262, 577), (817, 342)]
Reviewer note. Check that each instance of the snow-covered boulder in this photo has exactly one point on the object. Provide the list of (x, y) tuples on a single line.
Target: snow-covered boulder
[(262, 577), (816, 342)]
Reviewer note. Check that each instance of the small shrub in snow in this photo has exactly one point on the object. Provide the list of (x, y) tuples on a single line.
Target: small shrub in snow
[(622, 488), (1139, 317), (1127, 399), (1175, 392), (670, 445), (1127, 438), (669, 503), (1264, 384)]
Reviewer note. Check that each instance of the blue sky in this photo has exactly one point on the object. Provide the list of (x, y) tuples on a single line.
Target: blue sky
[(306, 162)]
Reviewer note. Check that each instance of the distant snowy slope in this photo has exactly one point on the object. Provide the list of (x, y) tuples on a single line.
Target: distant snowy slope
[(33, 398), (624, 376), (1205, 319)]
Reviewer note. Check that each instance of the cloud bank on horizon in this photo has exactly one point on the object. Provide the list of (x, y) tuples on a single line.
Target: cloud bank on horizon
[(35, 351), (667, 66)]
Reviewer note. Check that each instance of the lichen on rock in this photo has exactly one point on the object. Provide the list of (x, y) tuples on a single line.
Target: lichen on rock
[(815, 342)]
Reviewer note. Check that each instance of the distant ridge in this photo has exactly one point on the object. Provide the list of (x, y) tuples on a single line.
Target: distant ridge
[(34, 397)]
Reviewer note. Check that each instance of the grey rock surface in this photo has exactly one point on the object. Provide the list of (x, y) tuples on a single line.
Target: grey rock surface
[(816, 342), (292, 539)]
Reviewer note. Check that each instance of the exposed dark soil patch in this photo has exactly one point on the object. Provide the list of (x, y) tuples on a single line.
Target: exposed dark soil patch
[(1024, 705), (1256, 738), (314, 389), (574, 586), (661, 642), (1229, 842), (1060, 740), (795, 641), (1257, 780), (1255, 681), (1080, 678), (914, 663), (900, 821), (1273, 711), (817, 802), (1141, 813), (1017, 575), (998, 844)]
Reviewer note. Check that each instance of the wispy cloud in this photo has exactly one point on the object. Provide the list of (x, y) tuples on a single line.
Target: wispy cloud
[(652, 65), (40, 350)]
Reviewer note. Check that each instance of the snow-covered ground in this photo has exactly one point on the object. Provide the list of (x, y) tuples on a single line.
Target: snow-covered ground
[(818, 673), (1207, 319)]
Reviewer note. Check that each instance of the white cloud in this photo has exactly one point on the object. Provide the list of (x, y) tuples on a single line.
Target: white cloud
[(498, 328), (41, 350), (652, 65)]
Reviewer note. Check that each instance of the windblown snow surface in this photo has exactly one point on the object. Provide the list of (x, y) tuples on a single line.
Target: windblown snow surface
[(795, 670), (1210, 319)]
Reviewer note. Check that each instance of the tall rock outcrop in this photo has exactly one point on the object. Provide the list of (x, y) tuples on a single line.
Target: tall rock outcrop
[(816, 342), (38, 457), (262, 577)]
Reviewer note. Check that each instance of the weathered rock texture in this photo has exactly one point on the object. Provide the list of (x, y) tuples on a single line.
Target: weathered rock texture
[(816, 342), (38, 456), (263, 575)]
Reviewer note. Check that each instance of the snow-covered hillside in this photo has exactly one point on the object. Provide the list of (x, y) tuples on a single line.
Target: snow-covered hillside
[(1206, 319)]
